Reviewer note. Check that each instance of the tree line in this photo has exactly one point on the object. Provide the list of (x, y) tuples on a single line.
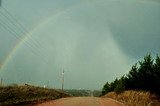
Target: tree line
[(144, 75)]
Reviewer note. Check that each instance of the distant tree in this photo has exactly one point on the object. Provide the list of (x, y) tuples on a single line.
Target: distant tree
[(106, 88), (156, 83), (140, 78), (144, 75), (117, 85), (132, 78), (114, 84), (120, 87)]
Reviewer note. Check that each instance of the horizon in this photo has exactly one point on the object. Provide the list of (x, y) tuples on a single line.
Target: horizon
[(93, 41)]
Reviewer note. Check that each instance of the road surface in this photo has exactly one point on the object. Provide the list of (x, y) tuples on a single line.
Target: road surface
[(82, 101)]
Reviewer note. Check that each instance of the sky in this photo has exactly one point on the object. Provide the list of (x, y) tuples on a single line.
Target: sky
[(92, 41)]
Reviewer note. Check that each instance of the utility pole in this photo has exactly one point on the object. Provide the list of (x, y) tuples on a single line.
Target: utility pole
[(63, 80)]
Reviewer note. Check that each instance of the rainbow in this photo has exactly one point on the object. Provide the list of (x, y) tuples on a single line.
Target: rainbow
[(40, 25), (30, 33)]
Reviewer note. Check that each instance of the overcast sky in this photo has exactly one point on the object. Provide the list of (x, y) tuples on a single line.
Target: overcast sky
[(94, 41)]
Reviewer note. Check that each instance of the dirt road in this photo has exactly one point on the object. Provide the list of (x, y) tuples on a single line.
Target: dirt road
[(82, 101)]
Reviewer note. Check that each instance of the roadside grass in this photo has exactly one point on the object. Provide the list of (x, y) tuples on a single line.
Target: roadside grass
[(135, 98), (27, 95)]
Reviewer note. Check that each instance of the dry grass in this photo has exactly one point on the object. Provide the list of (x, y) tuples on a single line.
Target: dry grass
[(135, 98), (26, 94)]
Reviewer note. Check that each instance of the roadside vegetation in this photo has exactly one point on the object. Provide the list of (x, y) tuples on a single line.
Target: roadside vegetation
[(27, 95), (142, 81), (135, 98)]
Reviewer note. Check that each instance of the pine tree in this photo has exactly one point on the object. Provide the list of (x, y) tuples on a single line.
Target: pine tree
[(106, 88)]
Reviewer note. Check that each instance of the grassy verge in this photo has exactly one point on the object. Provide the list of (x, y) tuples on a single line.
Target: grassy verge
[(135, 98), (26, 94)]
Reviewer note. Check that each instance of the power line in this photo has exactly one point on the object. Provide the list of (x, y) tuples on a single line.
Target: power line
[(18, 26), (15, 28), (14, 33)]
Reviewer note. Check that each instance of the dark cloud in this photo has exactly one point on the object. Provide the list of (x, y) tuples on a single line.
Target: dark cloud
[(136, 28), (93, 42)]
